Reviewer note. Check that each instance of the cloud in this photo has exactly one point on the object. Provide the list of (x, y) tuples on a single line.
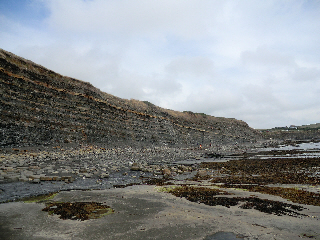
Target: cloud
[(132, 85), (307, 74), (252, 60), (124, 17), (266, 58), (211, 100), (195, 66)]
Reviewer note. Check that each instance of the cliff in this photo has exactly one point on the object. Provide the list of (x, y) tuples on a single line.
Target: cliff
[(40, 107)]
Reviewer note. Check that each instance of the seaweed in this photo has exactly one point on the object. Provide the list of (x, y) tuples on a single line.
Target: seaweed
[(264, 171), (157, 181), (292, 194), (208, 196), (78, 210)]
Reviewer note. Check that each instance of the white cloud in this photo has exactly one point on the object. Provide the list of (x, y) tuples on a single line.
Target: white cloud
[(125, 17)]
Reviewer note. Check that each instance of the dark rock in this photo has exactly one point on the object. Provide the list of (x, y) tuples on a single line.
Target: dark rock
[(135, 167)]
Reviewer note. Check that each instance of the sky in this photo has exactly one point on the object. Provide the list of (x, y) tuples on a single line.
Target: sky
[(253, 60)]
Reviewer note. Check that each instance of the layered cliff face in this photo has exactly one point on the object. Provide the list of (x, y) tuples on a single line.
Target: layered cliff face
[(39, 106)]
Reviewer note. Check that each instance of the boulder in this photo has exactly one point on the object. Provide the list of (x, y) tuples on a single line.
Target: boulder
[(135, 167), (166, 172)]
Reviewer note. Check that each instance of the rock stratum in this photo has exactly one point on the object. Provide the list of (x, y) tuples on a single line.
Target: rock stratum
[(41, 107)]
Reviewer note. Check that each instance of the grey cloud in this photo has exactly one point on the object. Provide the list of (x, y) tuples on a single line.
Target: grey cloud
[(260, 95), (196, 66), (267, 57), (306, 74), (210, 100), (130, 85)]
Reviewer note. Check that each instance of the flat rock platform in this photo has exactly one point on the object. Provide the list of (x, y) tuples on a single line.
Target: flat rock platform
[(148, 212)]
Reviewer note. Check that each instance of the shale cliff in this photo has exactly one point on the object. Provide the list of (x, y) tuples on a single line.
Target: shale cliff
[(40, 107)]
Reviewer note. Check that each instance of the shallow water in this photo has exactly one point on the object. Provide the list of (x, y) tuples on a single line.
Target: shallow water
[(303, 150), (301, 146), (17, 190), (310, 150)]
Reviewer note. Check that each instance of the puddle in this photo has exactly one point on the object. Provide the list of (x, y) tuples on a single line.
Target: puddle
[(17, 190), (302, 150)]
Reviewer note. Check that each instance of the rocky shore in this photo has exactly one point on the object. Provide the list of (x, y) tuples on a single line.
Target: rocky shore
[(160, 192), (60, 136), (69, 163), (65, 167)]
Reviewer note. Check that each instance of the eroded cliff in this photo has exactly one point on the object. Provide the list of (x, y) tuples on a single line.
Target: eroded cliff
[(39, 106)]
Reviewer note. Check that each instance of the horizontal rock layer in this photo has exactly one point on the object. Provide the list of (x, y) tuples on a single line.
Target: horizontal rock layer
[(39, 106)]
